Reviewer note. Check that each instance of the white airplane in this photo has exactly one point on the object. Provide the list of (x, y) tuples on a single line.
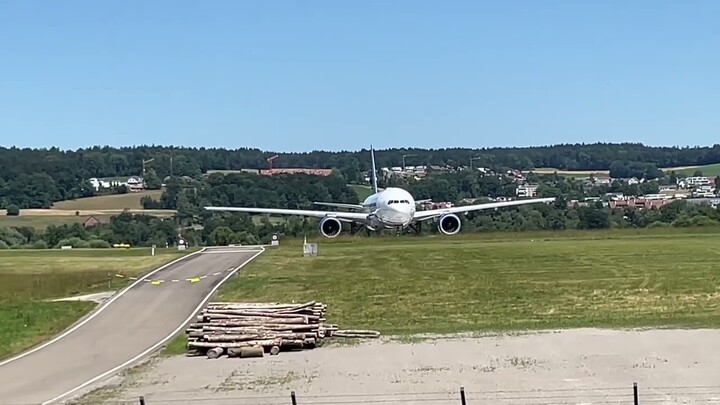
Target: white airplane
[(391, 208)]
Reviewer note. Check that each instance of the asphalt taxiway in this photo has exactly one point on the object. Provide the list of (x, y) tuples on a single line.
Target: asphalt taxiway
[(131, 325)]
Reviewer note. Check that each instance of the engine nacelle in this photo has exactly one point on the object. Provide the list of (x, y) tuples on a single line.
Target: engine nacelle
[(330, 227), (449, 224)]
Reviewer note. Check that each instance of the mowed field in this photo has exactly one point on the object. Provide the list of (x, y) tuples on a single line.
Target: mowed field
[(707, 170), (28, 278), (79, 210), (474, 283), (480, 283)]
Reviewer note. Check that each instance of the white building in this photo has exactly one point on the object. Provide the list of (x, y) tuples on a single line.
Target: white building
[(526, 190), (133, 182)]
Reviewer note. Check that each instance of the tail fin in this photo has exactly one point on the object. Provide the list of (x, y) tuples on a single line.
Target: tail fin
[(374, 171)]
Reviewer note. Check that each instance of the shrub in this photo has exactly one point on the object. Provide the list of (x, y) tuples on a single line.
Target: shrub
[(13, 210)]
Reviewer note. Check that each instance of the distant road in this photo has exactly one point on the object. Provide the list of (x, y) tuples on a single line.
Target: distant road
[(131, 325)]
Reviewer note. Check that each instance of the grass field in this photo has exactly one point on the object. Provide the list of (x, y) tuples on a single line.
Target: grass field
[(362, 191), (77, 211), (570, 173), (707, 170), (108, 202), (501, 282), (29, 278)]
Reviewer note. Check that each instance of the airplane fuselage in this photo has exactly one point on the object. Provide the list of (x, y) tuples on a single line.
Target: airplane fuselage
[(390, 208)]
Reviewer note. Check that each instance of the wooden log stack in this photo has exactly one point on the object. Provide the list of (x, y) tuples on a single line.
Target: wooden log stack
[(252, 329)]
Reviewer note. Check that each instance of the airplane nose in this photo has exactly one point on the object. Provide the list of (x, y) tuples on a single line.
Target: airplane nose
[(401, 209)]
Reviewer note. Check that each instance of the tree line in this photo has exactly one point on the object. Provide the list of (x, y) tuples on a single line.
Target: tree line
[(35, 178), (201, 227)]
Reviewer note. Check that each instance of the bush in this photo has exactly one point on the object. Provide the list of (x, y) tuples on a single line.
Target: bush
[(40, 244), (75, 242), (98, 244), (13, 210), (4, 245)]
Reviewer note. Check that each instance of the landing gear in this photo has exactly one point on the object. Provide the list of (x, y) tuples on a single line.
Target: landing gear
[(355, 228), (415, 228)]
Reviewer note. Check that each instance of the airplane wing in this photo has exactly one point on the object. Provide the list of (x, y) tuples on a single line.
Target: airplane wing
[(341, 205), (423, 215), (342, 216)]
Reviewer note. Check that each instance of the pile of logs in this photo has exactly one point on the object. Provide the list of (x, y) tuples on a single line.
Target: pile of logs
[(253, 329)]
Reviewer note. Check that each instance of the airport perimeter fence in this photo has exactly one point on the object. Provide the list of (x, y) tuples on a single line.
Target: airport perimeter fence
[(613, 395)]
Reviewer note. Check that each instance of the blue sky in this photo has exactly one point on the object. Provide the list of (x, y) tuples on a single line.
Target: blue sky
[(339, 75)]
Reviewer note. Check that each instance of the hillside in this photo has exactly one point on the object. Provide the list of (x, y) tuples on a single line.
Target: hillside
[(707, 170), (129, 201), (40, 177), (79, 210)]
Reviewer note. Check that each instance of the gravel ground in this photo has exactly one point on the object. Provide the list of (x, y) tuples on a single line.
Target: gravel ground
[(587, 366)]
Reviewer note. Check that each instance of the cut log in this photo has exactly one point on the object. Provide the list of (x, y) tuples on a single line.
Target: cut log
[(225, 345), (268, 326), (263, 336), (254, 319), (235, 328), (252, 351), (213, 312), (215, 352)]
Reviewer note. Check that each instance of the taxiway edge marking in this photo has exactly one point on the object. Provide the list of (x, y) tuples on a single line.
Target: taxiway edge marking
[(168, 337), (98, 310)]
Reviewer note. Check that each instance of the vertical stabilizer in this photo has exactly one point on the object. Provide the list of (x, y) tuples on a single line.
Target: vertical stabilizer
[(374, 171)]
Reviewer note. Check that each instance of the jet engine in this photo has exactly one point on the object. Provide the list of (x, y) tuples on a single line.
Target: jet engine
[(449, 224), (330, 227)]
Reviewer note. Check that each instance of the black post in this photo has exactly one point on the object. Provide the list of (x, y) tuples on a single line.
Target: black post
[(462, 396), (292, 397), (142, 400), (635, 393)]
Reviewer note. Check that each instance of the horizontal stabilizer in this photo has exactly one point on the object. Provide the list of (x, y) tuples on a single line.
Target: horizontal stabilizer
[(340, 205)]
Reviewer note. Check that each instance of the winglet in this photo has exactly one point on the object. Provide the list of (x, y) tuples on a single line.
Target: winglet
[(374, 172)]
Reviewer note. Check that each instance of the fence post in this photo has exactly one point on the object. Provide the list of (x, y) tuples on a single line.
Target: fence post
[(462, 396), (292, 397), (142, 400), (635, 393)]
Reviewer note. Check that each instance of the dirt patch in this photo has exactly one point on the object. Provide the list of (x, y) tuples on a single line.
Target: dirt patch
[(583, 365), (98, 298)]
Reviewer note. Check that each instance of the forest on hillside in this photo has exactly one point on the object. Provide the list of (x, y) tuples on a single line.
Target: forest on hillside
[(35, 178), (200, 227)]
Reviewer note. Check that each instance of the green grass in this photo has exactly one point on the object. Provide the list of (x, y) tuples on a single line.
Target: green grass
[(362, 191), (43, 221), (108, 202), (498, 282), (79, 210), (707, 170), (571, 173), (29, 277), (176, 346)]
